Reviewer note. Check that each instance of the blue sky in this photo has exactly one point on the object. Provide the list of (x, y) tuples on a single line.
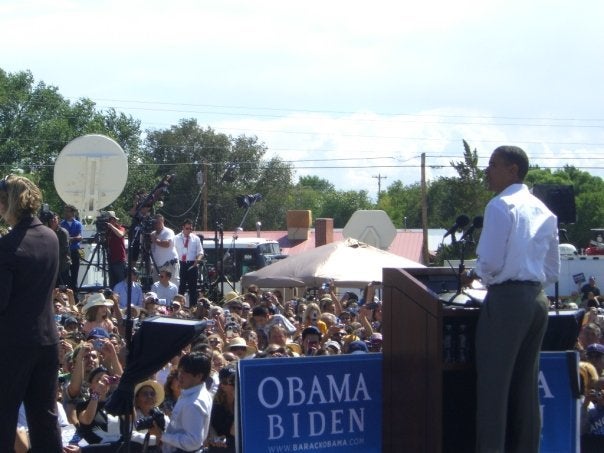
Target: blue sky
[(348, 91)]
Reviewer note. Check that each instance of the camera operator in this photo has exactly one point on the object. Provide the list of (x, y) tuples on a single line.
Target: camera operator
[(116, 248), (163, 250)]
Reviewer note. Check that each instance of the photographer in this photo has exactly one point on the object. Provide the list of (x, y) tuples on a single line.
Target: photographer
[(116, 248), (148, 395), (96, 426), (163, 250)]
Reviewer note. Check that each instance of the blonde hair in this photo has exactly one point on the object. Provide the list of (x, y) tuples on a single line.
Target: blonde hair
[(21, 197)]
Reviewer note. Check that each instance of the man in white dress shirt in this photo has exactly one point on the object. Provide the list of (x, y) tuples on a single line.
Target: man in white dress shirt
[(190, 253), (517, 256)]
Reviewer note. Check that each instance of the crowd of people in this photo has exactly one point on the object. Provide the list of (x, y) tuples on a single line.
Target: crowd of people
[(71, 348), (188, 405), (255, 324)]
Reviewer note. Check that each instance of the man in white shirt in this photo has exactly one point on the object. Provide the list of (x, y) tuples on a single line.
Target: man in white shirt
[(163, 251), (190, 420), (517, 256), (190, 253)]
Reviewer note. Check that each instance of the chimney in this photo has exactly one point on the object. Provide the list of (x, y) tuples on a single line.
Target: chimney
[(298, 225), (323, 232)]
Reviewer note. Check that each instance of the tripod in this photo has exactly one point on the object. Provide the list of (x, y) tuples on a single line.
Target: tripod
[(100, 254)]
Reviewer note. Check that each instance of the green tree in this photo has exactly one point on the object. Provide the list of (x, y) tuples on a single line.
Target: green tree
[(235, 166), (402, 204), (36, 122)]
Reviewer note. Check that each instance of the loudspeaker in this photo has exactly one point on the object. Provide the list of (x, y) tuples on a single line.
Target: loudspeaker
[(559, 199)]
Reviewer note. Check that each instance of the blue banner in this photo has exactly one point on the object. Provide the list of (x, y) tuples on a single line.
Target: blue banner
[(558, 376), (325, 403)]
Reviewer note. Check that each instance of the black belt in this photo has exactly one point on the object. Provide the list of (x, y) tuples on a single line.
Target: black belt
[(189, 262), (516, 282)]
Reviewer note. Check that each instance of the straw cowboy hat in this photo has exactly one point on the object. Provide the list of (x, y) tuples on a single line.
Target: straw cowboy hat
[(230, 297), (240, 342), (156, 386), (96, 300)]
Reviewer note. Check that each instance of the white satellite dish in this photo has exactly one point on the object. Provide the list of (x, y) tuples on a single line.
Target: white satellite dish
[(90, 173)]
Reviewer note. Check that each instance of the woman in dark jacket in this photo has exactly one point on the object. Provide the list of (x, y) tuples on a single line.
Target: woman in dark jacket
[(29, 262)]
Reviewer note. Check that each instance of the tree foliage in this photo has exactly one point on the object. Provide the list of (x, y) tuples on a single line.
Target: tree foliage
[(36, 122), (230, 166)]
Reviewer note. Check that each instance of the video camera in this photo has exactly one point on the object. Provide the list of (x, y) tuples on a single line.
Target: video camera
[(148, 225), (101, 222)]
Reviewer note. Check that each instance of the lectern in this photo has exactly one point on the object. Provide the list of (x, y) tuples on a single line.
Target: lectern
[(429, 396)]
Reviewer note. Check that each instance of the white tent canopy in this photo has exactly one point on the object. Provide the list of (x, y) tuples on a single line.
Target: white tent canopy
[(349, 263)]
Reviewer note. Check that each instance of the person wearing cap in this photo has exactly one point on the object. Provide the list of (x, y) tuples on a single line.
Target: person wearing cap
[(116, 249), (222, 437), (29, 354), (356, 347), (518, 254), (121, 289), (190, 253), (96, 313), (151, 303), (333, 347), (375, 342)]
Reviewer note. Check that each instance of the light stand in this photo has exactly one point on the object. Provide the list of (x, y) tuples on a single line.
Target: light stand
[(244, 201)]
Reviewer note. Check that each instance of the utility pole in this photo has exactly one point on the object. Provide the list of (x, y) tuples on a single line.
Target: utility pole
[(204, 197), (379, 177), (425, 250)]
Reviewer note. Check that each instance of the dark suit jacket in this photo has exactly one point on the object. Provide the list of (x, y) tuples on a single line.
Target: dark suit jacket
[(29, 259)]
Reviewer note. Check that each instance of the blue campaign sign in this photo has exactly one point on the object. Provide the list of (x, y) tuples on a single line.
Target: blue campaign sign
[(558, 380), (325, 403)]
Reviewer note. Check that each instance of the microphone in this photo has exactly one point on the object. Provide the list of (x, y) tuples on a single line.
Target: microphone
[(476, 224), (460, 222)]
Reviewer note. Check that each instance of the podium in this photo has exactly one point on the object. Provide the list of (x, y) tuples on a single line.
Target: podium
[(429, 404)]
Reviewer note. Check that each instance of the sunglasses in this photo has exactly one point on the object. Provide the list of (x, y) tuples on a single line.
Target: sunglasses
[(149, 393)]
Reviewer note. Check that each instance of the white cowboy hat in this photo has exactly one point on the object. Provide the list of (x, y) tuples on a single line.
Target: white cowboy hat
[(96, 300)]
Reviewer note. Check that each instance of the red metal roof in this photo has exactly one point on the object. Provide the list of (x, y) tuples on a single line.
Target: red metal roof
[(406, 243)]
